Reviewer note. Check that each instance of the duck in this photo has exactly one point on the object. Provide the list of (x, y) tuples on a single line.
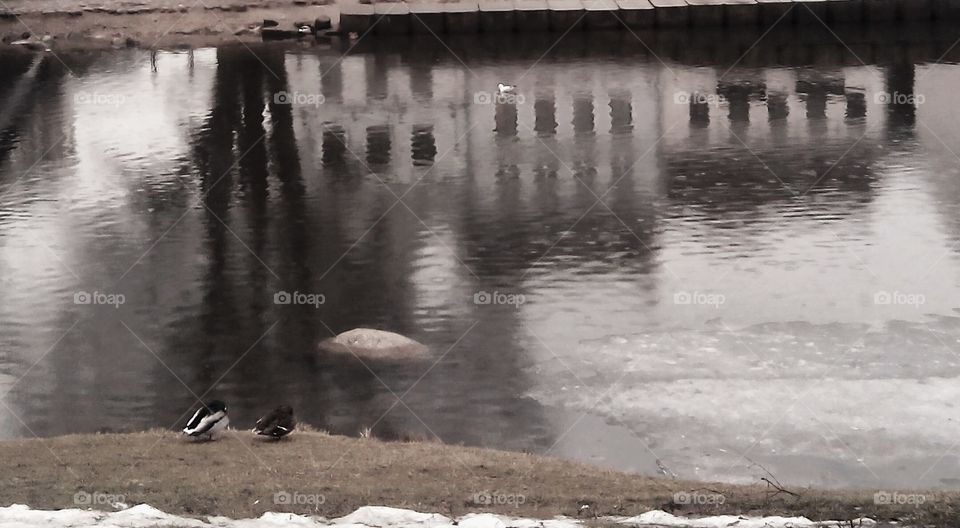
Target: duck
[(209, 419), (505, 88), (276, 423)]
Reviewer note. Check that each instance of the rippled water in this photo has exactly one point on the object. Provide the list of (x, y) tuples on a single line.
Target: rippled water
[(767, 274)]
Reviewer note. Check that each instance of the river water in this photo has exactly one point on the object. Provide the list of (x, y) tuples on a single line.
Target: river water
[(714, 257)]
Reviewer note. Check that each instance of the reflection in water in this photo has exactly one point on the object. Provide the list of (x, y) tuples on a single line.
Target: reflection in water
[(505, 117), (856, 105), (423, 145), (206, 196), (545, 111), (378, 144), (334, 146), (621, 113), (583, 114)]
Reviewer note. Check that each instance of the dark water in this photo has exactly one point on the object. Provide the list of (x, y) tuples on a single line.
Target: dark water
[(721, 259)]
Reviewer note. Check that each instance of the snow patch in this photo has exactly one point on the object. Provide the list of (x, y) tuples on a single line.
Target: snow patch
[(144, 516)]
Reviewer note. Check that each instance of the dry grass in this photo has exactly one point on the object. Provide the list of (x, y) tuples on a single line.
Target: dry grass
[(238, 476)]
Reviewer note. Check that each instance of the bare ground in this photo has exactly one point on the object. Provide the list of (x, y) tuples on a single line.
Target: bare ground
[(152, 23), (238, 476)]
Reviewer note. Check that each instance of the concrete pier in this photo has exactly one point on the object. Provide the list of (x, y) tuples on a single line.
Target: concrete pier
[(532, 15), (671, 13), (427, 17), (741, 12), (497, 16), (811, 12), (565, 15), (705, 13), (601, 14), (637, 14), (391, 18), (493, 16)]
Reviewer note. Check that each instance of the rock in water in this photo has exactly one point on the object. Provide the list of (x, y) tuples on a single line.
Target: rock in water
[(367, 343)]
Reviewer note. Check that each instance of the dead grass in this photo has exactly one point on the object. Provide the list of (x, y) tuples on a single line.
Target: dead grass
[(239, 475)]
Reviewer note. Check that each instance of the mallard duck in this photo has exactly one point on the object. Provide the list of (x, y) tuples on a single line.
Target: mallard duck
[(209, 419), (277, 423)]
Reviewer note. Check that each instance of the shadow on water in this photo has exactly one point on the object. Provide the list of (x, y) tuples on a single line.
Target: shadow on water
[(526, 238)]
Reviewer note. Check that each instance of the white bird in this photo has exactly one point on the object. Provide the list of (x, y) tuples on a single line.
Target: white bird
[(209, 419), (505, 88)]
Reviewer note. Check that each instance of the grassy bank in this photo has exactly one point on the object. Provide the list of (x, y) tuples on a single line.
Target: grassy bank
[(239, 475), (156, 24)]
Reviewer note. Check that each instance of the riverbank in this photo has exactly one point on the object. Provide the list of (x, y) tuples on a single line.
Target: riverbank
[(153, 23), (314, 473)]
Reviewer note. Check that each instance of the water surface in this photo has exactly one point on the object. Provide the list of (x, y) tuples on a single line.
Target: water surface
[(723, 258)]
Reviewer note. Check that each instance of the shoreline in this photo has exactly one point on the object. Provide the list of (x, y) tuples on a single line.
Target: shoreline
[(239, 476), (164, 26)]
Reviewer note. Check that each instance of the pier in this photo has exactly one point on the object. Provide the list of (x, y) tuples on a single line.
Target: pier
[(491, 16)]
